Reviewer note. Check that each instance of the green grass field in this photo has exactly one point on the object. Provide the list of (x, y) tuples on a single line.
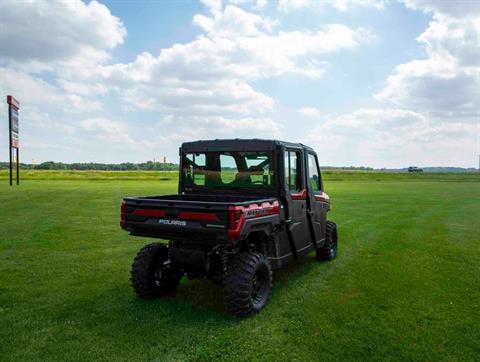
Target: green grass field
[(405, 286), (172, 176)]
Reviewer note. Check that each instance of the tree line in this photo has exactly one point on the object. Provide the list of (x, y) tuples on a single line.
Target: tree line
[(159, 166), (126, 166)]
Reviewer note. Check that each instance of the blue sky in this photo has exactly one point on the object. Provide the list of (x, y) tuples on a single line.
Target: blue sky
[(373, 83)]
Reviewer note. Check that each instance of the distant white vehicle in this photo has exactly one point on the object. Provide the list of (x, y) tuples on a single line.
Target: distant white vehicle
[(415, 169)]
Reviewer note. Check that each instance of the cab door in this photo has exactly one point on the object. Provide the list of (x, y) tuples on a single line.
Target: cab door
[(296, 197), (318, 201)]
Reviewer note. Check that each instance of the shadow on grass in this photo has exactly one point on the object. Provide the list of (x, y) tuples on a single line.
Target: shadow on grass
[(110, 316), (197, 304), (203, 296)]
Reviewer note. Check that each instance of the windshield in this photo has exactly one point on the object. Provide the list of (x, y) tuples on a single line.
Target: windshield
[(228, 170)]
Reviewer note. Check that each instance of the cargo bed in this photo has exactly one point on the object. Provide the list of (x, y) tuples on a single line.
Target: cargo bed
[(193, 217)]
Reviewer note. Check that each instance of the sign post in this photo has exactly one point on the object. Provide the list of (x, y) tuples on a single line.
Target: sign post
[(13, 107)]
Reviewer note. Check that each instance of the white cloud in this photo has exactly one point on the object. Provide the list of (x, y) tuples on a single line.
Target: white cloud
[(211, 75), (430, 107), (379, 119), (207, 88), (227, 98), (460, 8), (81, 104), (63, 39), (37, 120), (446, 83), (67, 32), (260, 4), (25, 86), (340, 5), (309, 112), (213, 6), (242, 45), (289, 5), (222, 127), (345, 5), (211, 58), (234, 21), (82, 89), (108, 130), (204, 85), (377, 136), (33, 90)]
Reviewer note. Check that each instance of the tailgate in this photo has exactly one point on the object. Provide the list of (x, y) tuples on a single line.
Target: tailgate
[(176, 219)]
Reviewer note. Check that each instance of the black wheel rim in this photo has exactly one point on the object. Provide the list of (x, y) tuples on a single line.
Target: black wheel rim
[(333, 248), (260, 286), (157, 277)]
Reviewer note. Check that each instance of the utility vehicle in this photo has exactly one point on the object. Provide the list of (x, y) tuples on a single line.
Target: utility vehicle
[(244, 207)]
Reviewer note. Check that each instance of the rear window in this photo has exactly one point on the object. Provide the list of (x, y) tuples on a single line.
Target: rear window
[(228, 170)]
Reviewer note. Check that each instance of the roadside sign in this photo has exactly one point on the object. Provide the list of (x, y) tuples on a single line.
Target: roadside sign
[(14, 127), (13, 108)]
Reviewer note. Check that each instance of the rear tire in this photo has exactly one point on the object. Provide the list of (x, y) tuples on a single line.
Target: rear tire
[(247, 284), (328, 251), (151, 274)]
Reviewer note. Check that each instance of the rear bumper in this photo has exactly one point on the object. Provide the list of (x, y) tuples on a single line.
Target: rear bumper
[(192, 232)]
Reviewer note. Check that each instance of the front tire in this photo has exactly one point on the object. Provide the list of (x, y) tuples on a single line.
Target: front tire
[(151, 274), (247, 285), (328, 251)]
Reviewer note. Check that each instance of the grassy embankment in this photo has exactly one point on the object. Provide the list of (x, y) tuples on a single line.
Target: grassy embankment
[(405, 285)]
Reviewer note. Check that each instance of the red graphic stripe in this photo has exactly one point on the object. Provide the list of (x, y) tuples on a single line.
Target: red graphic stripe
[(149, 212), (323, 197), (302, 195), (191, 215)]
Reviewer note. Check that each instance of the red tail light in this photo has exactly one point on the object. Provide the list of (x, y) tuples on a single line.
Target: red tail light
[(123, 214), (238, 214), (236, 219)]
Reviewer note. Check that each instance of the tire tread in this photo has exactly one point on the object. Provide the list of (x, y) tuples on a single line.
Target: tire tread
[(237, 289), (142, 277), (323, 253)]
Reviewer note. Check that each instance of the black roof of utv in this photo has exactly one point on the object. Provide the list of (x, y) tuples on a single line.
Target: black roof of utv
[(237, 144)]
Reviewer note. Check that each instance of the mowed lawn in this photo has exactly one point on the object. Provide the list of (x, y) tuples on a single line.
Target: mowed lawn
[(405, 286)]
